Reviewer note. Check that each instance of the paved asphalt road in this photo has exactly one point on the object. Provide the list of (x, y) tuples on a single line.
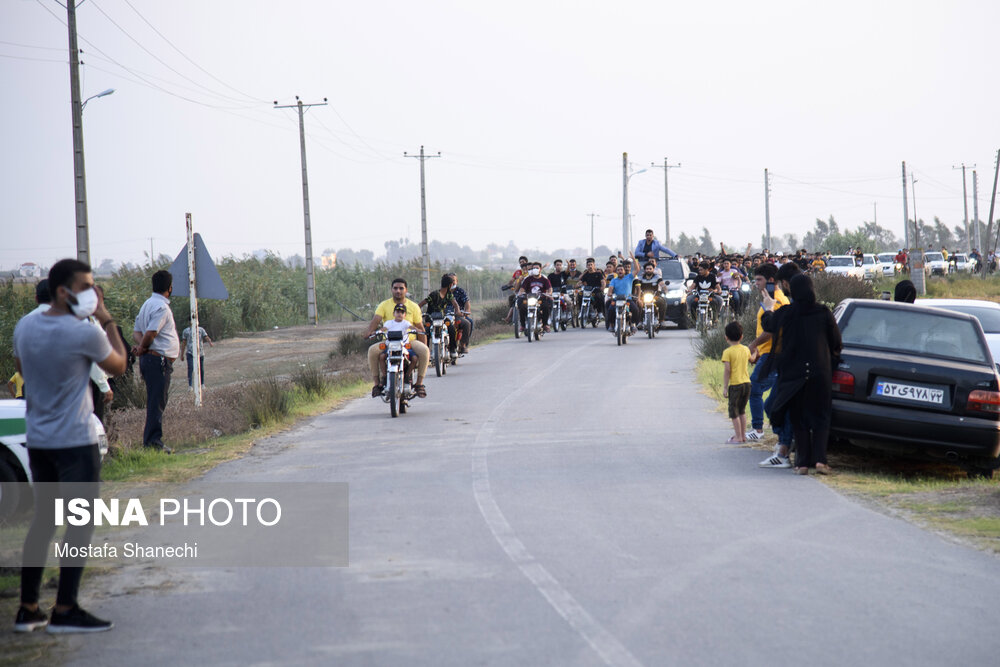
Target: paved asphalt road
[(567, 502)]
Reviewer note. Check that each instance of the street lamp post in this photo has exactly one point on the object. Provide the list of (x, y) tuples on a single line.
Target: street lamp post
[(93, 97), (626, 230)]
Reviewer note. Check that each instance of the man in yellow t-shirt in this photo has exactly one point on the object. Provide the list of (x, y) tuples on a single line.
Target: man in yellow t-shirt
[(419, 346), (765, 277)]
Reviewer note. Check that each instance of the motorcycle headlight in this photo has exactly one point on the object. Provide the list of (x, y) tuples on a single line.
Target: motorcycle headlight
[(647, 298), (532, 301), (745, 287)]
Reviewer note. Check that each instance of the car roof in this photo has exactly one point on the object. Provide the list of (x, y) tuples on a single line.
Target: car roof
[(897, 305), (959, 302)]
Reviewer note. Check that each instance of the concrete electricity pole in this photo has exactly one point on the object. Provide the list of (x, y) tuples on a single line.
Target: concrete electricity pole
[(666, 167), (79, 173), (626, 218), (965, 204), (767, 210), (423, 219), (310, 276), (906, 215), (975, 211), (592, 216), (993, 201)]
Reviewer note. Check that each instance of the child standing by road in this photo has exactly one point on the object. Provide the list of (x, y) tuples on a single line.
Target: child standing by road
[(736, 381)]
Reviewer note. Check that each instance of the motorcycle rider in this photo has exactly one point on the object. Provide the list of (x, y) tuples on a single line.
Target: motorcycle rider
[(537, 285), (573, 273), (704, 281), (650, 282), (441, 300), (558, 279), (621, 287), (383, 313), (650, 248), (515, 282), (464, 313), (594, 278), (731, 280)]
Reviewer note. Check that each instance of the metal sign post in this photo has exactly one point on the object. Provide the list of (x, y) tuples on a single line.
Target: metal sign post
[(194, 352)]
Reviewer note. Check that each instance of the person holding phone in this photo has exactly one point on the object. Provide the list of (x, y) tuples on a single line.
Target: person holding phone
[(762, 379)]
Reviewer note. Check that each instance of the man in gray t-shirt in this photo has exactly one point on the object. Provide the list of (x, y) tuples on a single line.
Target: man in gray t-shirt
[(53, 351)]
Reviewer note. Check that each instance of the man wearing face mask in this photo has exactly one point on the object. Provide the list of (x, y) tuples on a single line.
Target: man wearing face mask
[(538, 285), (54, 350), (157, 346)]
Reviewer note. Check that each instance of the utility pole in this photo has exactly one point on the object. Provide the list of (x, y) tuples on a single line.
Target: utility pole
[(625, 230), (965, 204), (906, 216), (666, 167), (917, 274), (310, 277), (916, 223), (767, 210), (592, 216), (875, 208), (993, 201), (193, 296), (79, 172), (423, 219), (975, 211)]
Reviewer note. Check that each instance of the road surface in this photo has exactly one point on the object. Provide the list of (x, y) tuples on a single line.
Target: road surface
[(564, 502)]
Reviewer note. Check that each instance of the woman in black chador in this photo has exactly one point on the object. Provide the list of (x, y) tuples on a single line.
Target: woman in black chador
[(806, 350)]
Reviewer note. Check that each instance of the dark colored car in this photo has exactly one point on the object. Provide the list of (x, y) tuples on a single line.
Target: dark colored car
[(674, 274), (917, 380)]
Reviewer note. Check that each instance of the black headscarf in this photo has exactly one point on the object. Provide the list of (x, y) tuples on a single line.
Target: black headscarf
[(906, 292)]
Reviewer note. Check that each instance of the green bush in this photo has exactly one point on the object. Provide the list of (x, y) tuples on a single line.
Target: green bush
[(130, 391), (312, 380), (352, 343), (832, 288), (265, 401), (712, 343), (495, 313)]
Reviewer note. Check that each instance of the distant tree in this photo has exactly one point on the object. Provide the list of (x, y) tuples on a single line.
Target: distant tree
[(686, 245), (944, 237), (601, 254), (706, 244), (106, 267)]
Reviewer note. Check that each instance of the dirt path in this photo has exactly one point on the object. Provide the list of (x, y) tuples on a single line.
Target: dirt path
[(279, 351)]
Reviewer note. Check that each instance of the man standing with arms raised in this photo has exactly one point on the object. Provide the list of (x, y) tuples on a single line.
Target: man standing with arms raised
[(157, 347), (54, 351)]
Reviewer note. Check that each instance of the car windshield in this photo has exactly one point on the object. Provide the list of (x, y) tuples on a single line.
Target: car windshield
[(933, 257), (961, 259), (887, 257), (840, 261), (914, 332), (989, 318), (868, 259), (673, 271)]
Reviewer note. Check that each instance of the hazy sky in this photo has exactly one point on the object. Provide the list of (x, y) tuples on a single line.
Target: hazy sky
[(530, 103)]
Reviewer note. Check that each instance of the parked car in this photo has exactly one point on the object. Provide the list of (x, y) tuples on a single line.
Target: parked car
[(963, 262), (917, 380), (15, 475), (987, 312), (872, 266), (935, 264), (845, 265), (889, 265)]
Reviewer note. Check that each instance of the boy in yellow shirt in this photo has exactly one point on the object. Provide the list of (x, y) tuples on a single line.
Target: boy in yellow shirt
[(736, 381), (15, 385)]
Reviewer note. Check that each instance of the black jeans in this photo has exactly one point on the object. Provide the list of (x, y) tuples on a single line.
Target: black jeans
[(68, 473), (156, 372), (544, 310)]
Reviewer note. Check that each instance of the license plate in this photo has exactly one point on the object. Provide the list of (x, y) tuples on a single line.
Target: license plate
[(909, 392)]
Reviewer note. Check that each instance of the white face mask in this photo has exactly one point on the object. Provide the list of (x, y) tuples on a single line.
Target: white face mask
[(535, 272), (86, 303)]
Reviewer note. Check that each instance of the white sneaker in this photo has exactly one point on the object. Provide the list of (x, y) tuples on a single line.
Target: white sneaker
[(775, 461), (754, 436)]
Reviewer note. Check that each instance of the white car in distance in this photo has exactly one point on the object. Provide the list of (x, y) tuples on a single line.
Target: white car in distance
[(964, 263), (872, 266), (987, 312), (935, 264), (889, 266), (844, 265)]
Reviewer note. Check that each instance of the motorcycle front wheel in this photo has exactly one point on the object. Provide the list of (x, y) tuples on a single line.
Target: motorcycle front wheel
[(394, 391), (529, 330), (437, 359)]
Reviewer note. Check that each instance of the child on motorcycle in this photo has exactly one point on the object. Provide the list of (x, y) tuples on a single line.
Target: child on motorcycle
[(397, 323)]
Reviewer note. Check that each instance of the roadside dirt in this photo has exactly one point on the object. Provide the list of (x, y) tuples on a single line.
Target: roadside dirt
[(278, 351)]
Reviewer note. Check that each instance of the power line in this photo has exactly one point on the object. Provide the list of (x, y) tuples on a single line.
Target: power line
[(251, 97)]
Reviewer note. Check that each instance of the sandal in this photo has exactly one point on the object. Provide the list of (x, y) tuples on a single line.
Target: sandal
[(823, 469), (802, 471), (420, 390), (733, 441), (377, 390)]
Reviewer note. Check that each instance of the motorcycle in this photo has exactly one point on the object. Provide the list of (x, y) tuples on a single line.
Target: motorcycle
[(621, 320), (513, 313), (562, 309), (726, 312), (649, 322), (397, 393), (532, 325), (706, 317), (437, 326), (557, 309), (588, 313)]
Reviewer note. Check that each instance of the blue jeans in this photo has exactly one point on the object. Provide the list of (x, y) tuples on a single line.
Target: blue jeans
[(757, 405), (156, 372), (190, 364)]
